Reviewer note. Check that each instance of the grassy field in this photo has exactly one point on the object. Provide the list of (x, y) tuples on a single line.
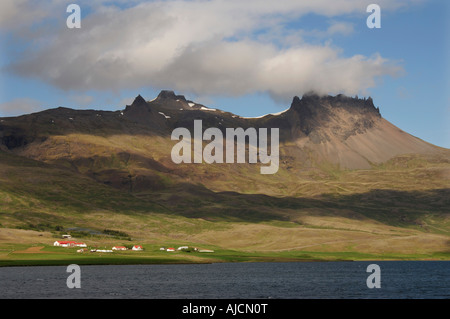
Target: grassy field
[(25, 255)]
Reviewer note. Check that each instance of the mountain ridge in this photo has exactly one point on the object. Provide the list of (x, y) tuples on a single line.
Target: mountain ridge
[(344, 131)]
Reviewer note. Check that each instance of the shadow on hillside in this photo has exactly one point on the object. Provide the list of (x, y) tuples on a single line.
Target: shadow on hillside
[(391, 207), (39, 186)]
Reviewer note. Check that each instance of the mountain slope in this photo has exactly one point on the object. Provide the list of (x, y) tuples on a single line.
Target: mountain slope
[(130, 149), (358, 213)]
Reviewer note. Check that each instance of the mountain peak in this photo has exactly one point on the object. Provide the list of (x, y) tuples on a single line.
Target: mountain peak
[(304, 105), (139, 100), (170, 95), (312, 101)]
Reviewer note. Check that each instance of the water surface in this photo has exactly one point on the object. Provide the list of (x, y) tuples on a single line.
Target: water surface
[(294, 280)]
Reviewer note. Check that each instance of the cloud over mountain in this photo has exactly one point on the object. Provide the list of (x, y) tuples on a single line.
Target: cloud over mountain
[(203, 47)]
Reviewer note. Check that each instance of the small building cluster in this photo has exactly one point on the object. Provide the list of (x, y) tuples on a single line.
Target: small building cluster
[(66, 244), (170, 249), (115, 248), (135, 247)]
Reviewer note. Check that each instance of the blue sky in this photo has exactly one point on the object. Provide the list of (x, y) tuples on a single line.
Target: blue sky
[(249, 59)]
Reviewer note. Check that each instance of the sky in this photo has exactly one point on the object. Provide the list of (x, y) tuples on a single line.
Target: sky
[(246, 57)]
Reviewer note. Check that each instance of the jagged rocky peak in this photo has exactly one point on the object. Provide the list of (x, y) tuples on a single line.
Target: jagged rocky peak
[(312, 100), (138, 108), (302, 106), (170, 95), (139, 100), (307, 101)]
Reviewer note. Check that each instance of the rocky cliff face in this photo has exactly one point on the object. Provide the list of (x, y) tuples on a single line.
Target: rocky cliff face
[(320, 118)]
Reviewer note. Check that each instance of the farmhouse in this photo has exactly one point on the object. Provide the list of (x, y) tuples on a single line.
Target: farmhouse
[(183, 247), (170, 249), (68, 244), (137, 247), (119, 248)]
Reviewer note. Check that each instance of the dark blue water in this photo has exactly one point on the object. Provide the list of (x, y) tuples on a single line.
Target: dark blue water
[(336, 280)]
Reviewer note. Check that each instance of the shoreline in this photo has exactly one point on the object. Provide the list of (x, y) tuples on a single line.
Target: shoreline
[(58, 263)]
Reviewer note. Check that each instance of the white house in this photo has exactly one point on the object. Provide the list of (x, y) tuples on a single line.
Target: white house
[(183, 247), (60, 243), (119, 248), (137, 247), (170, 249)]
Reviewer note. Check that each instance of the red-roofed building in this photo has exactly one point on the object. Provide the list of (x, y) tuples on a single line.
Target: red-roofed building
[(68, 244), (119, 248)]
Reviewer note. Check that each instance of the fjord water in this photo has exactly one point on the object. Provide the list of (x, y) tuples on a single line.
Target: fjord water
[(294, 280)]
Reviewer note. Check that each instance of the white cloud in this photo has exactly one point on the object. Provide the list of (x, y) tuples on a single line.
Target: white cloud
[(344, 28), (203, 47), (19, 13)]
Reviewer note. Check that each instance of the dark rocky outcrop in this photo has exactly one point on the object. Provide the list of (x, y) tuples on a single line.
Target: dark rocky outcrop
[(170, 95)]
